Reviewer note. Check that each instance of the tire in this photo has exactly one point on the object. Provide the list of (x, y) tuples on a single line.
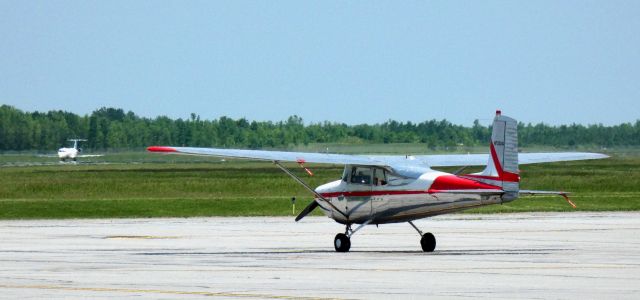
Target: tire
[(428, 242), (342, 243)]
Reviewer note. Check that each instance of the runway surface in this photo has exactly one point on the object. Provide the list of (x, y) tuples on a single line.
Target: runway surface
[(524, 256)]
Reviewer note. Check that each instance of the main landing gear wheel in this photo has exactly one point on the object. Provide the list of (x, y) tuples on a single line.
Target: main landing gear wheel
[(428, 242), (342, 243)]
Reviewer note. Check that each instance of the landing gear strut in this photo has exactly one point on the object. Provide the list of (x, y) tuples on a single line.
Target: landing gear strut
[(427, 240), (342, 241)]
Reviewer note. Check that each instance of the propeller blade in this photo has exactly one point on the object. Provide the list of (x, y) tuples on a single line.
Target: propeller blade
[(307, 210)]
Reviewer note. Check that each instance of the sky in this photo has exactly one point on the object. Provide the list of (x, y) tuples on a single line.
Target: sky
[(557, 62)]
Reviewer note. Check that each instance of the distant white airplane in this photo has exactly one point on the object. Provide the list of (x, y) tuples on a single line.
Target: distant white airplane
[(380, 189), (73, 153)]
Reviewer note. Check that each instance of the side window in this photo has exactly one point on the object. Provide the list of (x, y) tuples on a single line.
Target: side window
[(379, 176), (361, 175)]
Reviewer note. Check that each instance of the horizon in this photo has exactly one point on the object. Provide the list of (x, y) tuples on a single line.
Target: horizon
[(307, 123)]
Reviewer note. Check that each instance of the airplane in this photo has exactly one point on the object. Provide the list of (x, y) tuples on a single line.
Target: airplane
[(381, 189), (73, 152)]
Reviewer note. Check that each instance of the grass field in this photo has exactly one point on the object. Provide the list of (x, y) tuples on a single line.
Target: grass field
[(183, 186)]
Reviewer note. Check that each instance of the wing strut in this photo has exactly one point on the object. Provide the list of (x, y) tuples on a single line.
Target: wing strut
[(309, 208)]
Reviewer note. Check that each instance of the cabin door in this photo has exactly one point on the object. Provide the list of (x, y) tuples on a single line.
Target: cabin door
[(378, 188), (356, 200)]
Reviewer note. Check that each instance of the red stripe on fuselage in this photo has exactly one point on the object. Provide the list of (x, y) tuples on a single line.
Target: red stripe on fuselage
[(372, 193)]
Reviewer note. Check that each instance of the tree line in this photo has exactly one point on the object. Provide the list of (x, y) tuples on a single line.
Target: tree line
[(113, 128)]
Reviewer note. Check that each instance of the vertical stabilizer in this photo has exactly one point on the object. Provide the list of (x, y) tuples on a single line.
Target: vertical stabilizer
[(502, 167), (75, 143)]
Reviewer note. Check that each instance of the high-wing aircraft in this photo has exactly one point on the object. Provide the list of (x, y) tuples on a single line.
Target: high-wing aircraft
[(73, 152), (380, 189)]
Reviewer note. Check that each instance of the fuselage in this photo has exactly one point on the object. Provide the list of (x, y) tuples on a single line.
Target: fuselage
[(380, 196), (64, 153)]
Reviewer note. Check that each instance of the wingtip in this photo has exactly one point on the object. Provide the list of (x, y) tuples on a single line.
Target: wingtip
[(592, 155), (599, 155), (161, 149)]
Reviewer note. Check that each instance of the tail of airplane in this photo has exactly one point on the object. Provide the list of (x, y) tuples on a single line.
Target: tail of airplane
[(75, 143), (502, 167)]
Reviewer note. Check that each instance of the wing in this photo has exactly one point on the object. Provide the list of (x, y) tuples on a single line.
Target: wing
[(300, 157), (375, 160), (534, 158), (455, 160)]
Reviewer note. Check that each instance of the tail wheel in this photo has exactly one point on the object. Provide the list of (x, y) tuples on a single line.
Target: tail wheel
[(342, 243), (428, 242)]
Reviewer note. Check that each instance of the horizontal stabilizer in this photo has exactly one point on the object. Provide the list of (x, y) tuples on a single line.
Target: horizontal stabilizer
[(541, 193), (547, 193)]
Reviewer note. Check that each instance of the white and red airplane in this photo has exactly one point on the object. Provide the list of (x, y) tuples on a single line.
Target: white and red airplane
[(377, 189)]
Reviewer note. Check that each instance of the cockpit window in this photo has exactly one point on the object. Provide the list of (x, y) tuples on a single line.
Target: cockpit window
[(361, 175)]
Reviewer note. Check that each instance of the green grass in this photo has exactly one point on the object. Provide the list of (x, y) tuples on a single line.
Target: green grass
[(183, 186)]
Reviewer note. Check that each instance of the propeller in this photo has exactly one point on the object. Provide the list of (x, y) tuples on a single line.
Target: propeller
[(307, 210)]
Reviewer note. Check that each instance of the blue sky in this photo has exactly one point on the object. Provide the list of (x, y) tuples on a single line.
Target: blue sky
[(557, 62)]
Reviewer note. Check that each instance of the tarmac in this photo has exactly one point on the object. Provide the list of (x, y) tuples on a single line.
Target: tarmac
[(501, 256)]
